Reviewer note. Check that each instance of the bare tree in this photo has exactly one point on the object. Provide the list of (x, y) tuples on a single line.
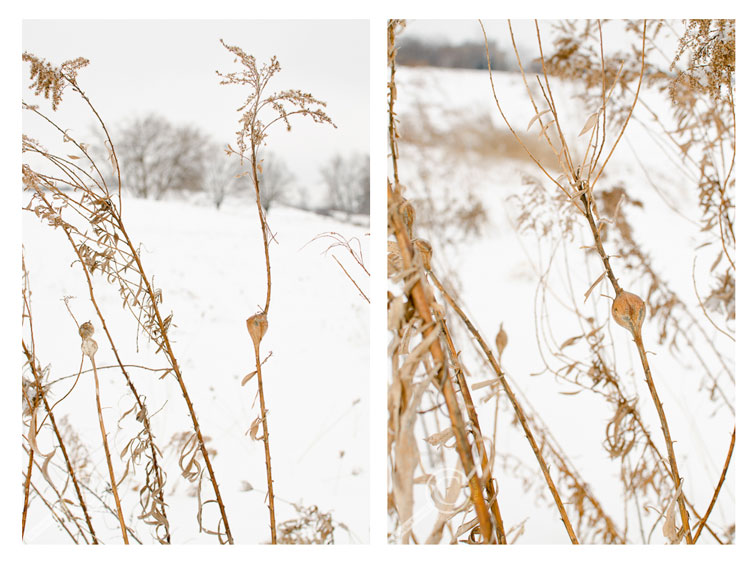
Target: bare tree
[(157, 156), (275, 179), (222, 176), (348, 183)]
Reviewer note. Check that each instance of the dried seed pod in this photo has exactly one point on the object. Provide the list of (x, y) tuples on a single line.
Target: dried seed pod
[(86, 330), (501, 341), (629, 311), (257, 325), (406, 210), (89, 347), (425, 250)]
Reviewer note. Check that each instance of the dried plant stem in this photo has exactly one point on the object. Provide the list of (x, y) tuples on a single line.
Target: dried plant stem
[(717, 489), (54, 514), (38, 382), (178, 376), (261, 394), (266, 448), (516, 407), (424, 308), (116, 495), (26, 484), (141, 406), (586, 198), (477, 431), (665, 429)]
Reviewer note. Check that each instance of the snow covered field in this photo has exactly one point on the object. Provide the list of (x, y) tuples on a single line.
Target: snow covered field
[(505, 276), (209, 265)]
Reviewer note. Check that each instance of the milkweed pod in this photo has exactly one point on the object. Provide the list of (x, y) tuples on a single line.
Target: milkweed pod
[(629, 311)]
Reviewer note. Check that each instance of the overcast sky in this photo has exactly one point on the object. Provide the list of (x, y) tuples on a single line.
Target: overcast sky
[(168, 67)]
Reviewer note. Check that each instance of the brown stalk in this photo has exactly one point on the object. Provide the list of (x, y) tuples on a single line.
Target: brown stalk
[(129, 382), (516, 407), (117, 222), (113, 481), (489, 484), (31, 359), (424, 304), (636, 331), (716, 490), (26, 484)]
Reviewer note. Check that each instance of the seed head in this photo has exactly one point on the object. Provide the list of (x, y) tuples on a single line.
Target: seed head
[(629, 311)]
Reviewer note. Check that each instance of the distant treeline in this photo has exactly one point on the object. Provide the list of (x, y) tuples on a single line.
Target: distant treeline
[(418, 52)]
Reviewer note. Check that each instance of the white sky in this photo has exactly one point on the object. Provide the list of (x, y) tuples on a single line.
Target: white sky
[(168, 67)]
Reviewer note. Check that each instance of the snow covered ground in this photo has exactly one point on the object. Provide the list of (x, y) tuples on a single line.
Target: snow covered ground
[(498, 272), (210, 267)]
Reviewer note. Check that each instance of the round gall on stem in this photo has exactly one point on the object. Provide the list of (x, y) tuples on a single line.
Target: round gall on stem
[(257, 325), (629, 311), (86, 330)]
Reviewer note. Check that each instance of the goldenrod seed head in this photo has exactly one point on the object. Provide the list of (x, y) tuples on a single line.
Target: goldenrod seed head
[(629, 311)]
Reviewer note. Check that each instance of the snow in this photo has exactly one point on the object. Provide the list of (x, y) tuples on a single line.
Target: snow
[(210, 267)]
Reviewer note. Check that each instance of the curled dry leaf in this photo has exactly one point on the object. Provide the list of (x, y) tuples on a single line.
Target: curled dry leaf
[(425, 251), (253, 431), (440, 438), (670, 529), (590, 122)]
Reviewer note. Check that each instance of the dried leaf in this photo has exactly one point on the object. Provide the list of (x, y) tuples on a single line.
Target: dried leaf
[(537, 116), (590, 122)]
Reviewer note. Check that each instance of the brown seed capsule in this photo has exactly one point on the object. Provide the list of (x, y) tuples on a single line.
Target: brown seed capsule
[(629, 311), (86, 330), (407, 215), (257, 325), (501, 341)]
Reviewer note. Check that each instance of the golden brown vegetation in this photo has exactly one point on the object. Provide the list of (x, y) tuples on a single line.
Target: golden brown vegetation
[(423, 350)]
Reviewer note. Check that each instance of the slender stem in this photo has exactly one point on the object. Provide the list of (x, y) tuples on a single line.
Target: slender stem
[(516, 407), (38, 381), (489, 485), (26, 484), (261, 394), (123, 527), (665, 429), (266, 447), (717, 489)]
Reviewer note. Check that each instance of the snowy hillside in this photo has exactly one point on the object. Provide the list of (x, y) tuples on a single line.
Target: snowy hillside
[(209, 265)]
